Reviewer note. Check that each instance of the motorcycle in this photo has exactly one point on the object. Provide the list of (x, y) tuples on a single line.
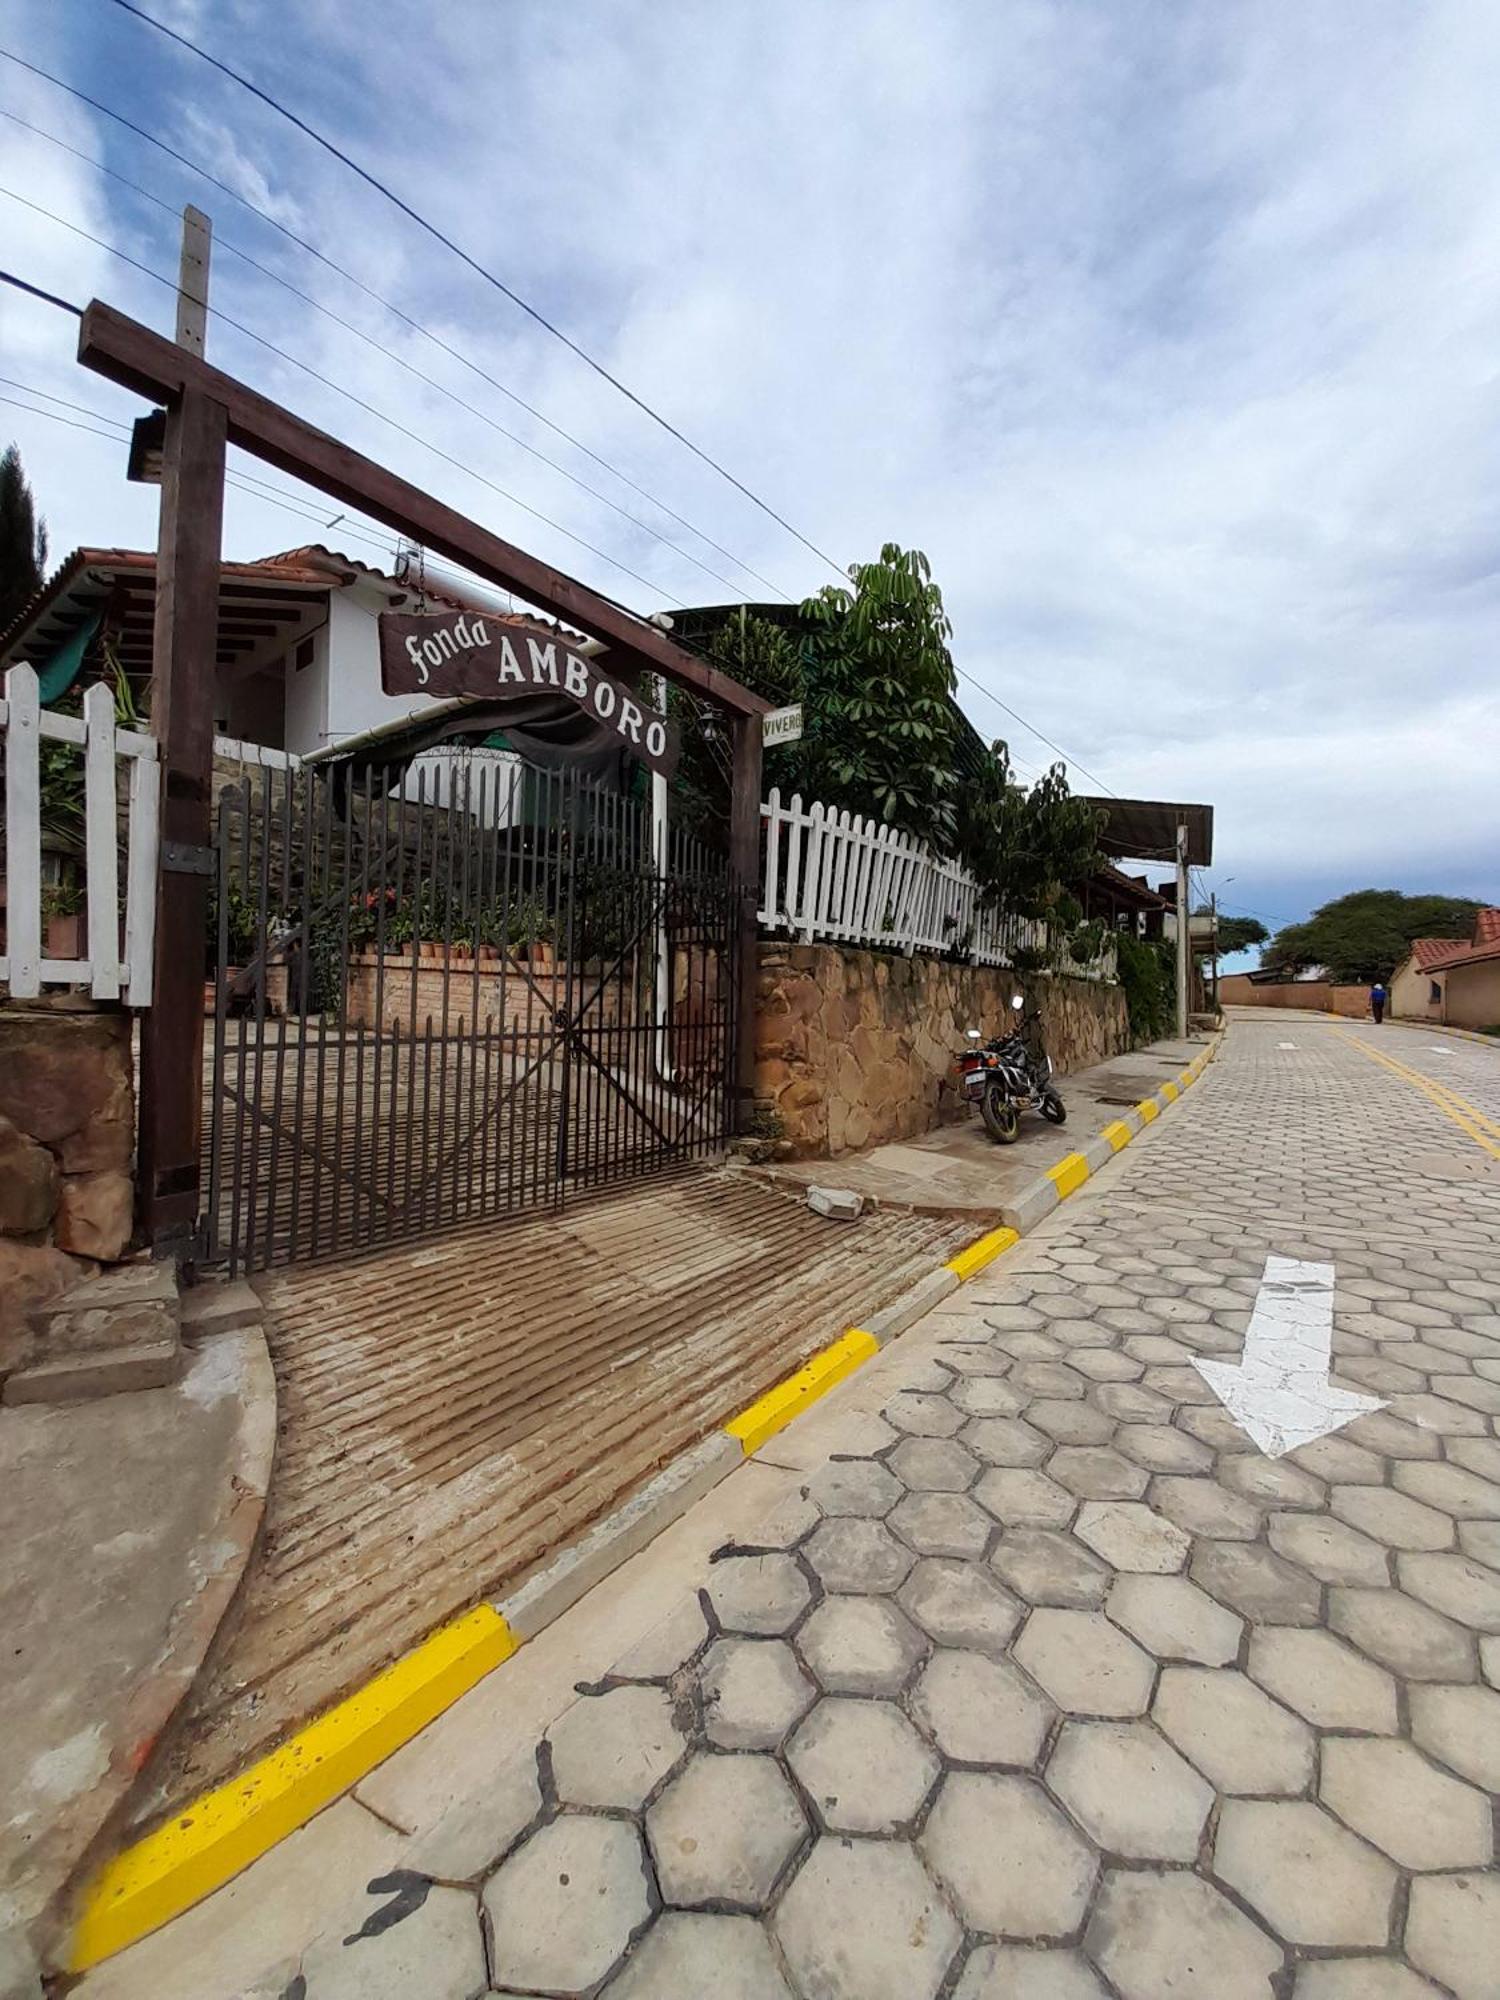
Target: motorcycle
[(1004, 1079)]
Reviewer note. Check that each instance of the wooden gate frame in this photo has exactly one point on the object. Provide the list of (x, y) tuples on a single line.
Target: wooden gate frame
[(206, 412)]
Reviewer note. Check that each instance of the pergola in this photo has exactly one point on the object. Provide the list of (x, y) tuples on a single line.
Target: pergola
[(1158, 830)]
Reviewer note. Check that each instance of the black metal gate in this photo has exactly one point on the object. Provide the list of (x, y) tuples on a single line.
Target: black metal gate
[(451, 998)]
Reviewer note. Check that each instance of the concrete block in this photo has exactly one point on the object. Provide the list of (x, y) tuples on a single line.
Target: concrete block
[(1034, 1201), (909, 1308), (72, 1378), (839, 1204), (553, 1589), (220, 1308), (1098, 1153)]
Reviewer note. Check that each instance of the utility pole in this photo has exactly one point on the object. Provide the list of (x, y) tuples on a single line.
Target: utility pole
[(1184, 922), (1213, 908)]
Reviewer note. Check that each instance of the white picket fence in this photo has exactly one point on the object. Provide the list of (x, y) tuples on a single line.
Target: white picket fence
[(117, 961), (828, 874)]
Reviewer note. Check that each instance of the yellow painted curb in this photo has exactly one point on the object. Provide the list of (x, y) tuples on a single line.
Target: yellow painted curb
[(1068, 1174), (1118, 1134), (981, 1252), (224, 1831), (1171, 1092), (790, 1398), (1147, 1109)]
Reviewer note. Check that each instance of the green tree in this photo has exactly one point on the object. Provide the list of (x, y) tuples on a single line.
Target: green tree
[(1236, 933), (23, 540), (1366, 934)]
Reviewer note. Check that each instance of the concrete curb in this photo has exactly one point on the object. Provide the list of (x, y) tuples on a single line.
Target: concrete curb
[(170, 1870)]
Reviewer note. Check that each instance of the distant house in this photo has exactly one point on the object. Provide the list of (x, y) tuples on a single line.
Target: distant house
[(1454, 982)]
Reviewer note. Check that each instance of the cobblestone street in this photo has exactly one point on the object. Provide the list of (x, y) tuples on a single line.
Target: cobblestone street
[(1042, 1681)]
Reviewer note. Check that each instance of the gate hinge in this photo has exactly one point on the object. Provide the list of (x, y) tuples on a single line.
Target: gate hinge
[(181, 857)]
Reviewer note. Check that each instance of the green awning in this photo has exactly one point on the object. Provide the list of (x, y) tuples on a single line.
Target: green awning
[(58, 674)]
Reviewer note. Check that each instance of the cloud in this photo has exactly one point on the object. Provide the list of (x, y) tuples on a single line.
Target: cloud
[(1169, 334)]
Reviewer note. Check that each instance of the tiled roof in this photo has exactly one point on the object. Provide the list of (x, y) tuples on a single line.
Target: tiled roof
[(1426, 950), (1484, 944)]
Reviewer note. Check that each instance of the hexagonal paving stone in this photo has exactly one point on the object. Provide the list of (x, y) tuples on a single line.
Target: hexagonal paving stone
[(1274, 1481), (1028, 1972), (1239, 1738), (1420, 1816), (1399, 1633), (1460, 1727), (1311, 1880), (668, 1645), (935, 1465), (981, 1711), (1456, 1585), (1129, 1535), (1105, 1364), (564, 1906), (1018, 1496), (1330, 1550), (1087, 1665), (988, 1396), (958, 1604), (1450, 1489), (760, 1595), (1011, 1862), (1334, 1458), (1481, 1540), (1256, 1583), (923, 1415), (753, 1691), (854, 1554), (1453, 1931), (862, 1921), (855, 1486), (1097, 1472), (615, 1748), (1006, 1441), (1204, 1507), (1129, 1790), (1325, 1681), (862, 1764), (1361, 1979), (1391, 1517), (1385, 1433), (860, 1645), (435, 1948), (1070, 1423), (1175, 1619), (723, 1830), (1155, 1934), (687, 1954), (1046, 1566), (1160, 1448), (942, 1524)]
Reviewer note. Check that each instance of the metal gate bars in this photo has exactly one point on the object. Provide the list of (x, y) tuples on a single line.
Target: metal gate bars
[(451, 999)]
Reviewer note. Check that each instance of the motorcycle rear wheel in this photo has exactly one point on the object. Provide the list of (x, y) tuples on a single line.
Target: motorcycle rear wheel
[(1001, 1119), (1053, 1108)]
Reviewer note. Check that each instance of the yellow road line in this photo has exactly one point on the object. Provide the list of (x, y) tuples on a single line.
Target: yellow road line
[(228, 1828), (775, 1410), (1466, 1116)]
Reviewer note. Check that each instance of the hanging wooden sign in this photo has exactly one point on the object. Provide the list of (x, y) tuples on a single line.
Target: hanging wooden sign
[(450, 653)]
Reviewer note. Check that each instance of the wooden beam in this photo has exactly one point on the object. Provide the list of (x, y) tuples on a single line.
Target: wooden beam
[(185, 641), (744, 876), (126, 352)]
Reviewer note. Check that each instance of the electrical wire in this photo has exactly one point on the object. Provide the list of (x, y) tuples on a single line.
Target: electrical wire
[(506, 291), (327, 382), (310, 249), (389, 354)]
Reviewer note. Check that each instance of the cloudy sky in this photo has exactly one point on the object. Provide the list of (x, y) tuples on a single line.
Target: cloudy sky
[(1171, 333)]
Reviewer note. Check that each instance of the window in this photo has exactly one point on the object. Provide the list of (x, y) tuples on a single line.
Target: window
[(1434, 994), (303, 657)]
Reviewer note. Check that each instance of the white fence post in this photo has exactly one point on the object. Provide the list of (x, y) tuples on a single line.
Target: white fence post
[(23, 834), (101, 860)]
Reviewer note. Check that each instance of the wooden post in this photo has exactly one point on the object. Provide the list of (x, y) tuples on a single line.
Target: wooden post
[(744, 874), (184, 646), (192, 280), (1184, 931)]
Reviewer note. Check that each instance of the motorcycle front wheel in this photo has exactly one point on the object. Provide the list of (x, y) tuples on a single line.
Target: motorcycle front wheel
[(1054, 1108), (1001, 1119)]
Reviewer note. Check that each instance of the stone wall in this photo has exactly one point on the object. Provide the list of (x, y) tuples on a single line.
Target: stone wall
[(854, 1048), (67, 1140)]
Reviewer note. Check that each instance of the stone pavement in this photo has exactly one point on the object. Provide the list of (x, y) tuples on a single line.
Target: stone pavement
[(1041, 1681)]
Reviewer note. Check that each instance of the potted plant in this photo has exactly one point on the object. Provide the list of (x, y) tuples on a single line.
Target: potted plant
[(62, 904)]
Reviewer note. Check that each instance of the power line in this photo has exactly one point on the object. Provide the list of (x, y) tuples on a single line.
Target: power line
[(310, 249), (161, 278), (438, 235), (964, 674), (400, 361)]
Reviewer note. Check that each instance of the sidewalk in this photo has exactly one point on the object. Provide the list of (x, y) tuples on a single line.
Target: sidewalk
[(959, 1170)]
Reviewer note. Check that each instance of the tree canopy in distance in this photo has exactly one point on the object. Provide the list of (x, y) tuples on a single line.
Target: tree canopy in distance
[(1365, 934), (23, 540)]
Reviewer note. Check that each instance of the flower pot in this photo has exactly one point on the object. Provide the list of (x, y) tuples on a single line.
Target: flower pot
[(62, 936)]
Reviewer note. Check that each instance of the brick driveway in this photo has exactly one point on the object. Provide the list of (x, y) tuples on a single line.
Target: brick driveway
[(1049, 1685)]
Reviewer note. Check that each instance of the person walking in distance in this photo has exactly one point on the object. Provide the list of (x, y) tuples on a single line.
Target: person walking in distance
[(1377, 1002)]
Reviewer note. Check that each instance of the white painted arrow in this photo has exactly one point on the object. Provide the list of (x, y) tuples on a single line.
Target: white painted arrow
[(1438, 1049), (1279, 1391)]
